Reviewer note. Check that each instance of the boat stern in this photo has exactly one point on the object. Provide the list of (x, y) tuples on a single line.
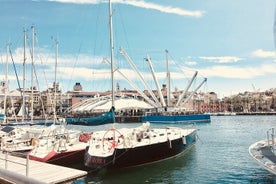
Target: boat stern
[(95, 162)]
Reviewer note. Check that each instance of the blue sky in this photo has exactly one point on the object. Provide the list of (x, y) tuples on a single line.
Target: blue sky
[(231, 43)]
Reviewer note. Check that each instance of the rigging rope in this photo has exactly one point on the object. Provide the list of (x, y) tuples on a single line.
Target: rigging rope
[(17, 79), (39, 56), (36, 78)]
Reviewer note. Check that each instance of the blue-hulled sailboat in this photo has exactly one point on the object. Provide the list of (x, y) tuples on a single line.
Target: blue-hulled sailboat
[(105, 118)]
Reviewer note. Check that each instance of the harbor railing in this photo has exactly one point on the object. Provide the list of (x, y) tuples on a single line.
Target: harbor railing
[(8, 160), (9, 176)]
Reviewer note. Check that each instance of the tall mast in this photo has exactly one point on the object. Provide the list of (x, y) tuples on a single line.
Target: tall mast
[(55, 83), (168, 81), (6, 80), (32, 75), (111, 51), (24, 79)]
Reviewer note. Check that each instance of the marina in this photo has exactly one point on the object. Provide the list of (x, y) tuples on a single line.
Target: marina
[(219, 156), (99, 109)]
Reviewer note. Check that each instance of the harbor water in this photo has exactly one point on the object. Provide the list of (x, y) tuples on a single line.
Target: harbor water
[(219, 156)]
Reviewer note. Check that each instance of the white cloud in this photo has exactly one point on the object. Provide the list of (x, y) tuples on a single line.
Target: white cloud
[(238, 72), (46, 57), (84, 67), (84, 73), (142, 4), (69, 66), (165, 9), (191, 63), (79, 1), (263, 54), (221, 59)]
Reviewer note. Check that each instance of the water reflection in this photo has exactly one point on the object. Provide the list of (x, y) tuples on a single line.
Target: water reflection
[(160, 172), (220, 156)]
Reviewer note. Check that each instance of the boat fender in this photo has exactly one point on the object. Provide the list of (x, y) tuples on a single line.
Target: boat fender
[(3, 142), (34, 141), (85, 137), (184, 140), (170, 143)]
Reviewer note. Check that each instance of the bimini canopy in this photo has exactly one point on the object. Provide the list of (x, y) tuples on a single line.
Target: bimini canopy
[(104, 105), (124, 103)]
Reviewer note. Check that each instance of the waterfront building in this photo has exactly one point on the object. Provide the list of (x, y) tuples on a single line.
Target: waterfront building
[(199, 102)]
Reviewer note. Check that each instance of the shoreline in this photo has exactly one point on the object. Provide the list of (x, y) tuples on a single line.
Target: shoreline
[(242, 113)]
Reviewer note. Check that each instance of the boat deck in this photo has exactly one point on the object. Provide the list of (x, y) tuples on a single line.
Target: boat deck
[(262, 153), (15, 169), (267, 152)]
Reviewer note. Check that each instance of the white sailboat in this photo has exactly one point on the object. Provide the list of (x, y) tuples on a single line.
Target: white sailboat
[(107, 117), (126, 147), (59, 145), (54, 144)]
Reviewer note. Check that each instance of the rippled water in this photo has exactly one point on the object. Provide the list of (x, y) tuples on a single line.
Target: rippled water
[(219, 156)]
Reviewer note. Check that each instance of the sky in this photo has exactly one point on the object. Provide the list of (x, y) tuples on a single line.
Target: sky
[(231, 43)]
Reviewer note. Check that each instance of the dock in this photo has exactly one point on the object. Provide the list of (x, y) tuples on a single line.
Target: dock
[(15, 169)]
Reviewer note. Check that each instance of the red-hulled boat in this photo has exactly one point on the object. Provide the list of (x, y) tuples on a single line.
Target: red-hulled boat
[(61, 148)]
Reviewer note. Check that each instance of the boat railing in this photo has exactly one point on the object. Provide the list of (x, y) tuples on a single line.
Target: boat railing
[(8, 160), (271, 139)]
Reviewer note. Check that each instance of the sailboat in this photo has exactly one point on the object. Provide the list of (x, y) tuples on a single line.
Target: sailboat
[(126, 147), (53, 144), (92, 119), (59, 145)]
